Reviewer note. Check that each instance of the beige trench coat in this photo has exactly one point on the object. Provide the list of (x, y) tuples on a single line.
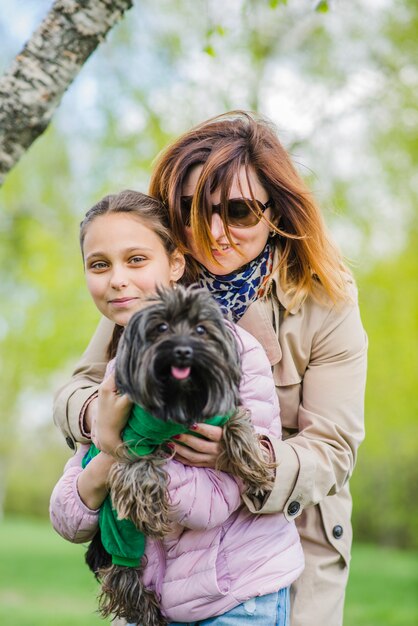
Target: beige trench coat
[(319, 367)]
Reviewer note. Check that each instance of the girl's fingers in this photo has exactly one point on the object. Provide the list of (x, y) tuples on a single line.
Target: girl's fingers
[(109, 383), (112, 415), (109, 393), (123, 402)]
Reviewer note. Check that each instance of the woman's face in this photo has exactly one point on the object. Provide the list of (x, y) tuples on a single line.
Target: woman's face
[(124, 262), (249, 241)]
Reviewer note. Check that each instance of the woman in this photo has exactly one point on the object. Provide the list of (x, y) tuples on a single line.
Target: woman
[(254, 237)]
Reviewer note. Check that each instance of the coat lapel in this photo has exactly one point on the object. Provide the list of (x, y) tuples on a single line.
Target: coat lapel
[(258, 320)]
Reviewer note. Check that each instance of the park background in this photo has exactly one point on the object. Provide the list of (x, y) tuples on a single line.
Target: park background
[(340, 81)]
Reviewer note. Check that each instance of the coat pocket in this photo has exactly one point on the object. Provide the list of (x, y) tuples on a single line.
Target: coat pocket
[(336, 518), (289, 390)]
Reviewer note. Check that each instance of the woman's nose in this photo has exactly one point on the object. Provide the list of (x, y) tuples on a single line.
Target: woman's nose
[(217, 227)]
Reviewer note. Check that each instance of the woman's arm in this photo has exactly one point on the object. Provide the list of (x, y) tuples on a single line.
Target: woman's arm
[(72, 399), (319, 459)]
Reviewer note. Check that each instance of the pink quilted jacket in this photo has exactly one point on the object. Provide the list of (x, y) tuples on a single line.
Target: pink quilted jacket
[(218, 554)]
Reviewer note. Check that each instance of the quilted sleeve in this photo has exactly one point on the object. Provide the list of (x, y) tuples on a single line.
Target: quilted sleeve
[(70, 517), (202, 498)]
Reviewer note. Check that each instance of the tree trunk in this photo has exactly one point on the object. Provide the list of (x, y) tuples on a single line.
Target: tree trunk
[(32, 88)]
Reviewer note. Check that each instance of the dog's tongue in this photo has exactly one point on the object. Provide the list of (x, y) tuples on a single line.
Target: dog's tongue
[(180, 372)]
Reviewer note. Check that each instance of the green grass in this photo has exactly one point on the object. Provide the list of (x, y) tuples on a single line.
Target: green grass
[(383, 587), (44, 582)]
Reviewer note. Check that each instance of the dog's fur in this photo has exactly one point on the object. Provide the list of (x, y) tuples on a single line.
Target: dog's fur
[(183, 330)]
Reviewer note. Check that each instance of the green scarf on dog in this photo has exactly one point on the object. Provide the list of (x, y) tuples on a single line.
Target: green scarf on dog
[(142, 435)]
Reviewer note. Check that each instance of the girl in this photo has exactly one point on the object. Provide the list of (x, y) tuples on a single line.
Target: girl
[(220, 564), (257, 240)]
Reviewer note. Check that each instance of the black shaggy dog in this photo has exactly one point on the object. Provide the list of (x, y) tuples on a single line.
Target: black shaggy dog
[(179, 360)]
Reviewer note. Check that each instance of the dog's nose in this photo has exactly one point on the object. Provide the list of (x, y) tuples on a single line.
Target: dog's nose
[(183, 353)]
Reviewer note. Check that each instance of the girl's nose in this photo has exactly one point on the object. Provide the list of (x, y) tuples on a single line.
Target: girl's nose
[(118, 279), (217, 227)]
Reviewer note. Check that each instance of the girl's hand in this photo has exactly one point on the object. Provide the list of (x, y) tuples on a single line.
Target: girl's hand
[(196, 451), (92, 481), (112, 415)]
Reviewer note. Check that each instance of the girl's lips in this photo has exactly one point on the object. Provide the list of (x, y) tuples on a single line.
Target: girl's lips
[(120, 302)]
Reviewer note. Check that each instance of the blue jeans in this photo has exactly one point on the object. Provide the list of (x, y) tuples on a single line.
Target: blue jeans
[(270, 610)]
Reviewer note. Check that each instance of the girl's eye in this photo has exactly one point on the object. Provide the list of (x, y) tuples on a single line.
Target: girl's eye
[(137, 259), (98, 265), (162, 328), (200, 330)]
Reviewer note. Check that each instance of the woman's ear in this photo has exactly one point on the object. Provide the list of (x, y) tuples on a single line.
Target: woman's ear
[(177, 265)]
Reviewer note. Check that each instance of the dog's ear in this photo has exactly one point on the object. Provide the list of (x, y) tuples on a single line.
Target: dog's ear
[(128, 355), (230, 346)]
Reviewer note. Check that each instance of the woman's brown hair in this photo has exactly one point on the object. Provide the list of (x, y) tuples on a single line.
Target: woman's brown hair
[(223, 146), (150, 211)]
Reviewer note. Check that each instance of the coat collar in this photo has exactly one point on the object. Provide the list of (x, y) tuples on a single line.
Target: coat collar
[(276, 288), (258, 321), (261, 319)]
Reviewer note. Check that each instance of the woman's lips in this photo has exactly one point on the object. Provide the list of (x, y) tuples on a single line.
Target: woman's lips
[(224, 250)]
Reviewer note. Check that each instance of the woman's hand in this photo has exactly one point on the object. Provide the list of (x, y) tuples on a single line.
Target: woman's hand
[(196, 451), (112, 415)]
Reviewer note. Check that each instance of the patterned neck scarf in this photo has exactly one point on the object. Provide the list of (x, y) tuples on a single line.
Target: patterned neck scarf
[(236, 291)]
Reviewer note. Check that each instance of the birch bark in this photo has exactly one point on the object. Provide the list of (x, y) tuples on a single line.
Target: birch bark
[(33, 86)]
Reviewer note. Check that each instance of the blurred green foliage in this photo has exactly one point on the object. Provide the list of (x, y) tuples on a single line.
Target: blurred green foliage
[(341, 87), (385, 483)]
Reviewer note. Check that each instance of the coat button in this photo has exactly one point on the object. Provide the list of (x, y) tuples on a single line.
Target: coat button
[(293, 508), (338, 531), (70, 443)]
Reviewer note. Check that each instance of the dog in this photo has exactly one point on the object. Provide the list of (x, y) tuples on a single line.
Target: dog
[(178, 360)]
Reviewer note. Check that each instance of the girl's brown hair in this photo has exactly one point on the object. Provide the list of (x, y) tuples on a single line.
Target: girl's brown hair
[(223, 146), (150, 211)]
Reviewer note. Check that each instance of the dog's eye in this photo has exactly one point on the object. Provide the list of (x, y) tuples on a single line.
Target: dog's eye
[(162, 328), (201, 330)]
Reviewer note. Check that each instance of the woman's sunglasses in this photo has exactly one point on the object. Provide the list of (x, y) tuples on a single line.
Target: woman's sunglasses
[(239, 212)]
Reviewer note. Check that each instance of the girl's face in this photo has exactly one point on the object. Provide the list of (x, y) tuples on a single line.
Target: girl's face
[(124, 262), (249, 241)]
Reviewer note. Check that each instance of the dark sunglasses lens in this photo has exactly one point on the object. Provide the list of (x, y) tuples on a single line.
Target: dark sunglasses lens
[(240, 214)]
